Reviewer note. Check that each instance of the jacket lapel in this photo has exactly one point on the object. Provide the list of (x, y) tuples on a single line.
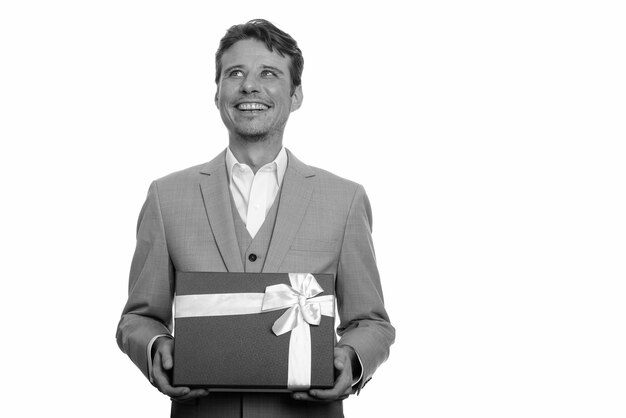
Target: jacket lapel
[(297, 189), (216, 198)]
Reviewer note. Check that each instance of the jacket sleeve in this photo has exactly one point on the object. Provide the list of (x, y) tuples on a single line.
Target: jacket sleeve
[(148, 311), (364, 322)]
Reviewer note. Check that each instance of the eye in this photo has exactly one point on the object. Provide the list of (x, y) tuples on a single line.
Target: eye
[(268, 73), (235, 73)]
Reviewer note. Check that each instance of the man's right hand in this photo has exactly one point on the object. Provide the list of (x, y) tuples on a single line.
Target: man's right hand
[(162, 363)]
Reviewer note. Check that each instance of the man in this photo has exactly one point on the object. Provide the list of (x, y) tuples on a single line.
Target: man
[(256, 208)]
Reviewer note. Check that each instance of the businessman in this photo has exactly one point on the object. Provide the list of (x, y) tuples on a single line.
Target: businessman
[(256, 208)]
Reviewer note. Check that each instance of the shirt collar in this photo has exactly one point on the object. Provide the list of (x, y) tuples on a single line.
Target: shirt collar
[(280, 162)]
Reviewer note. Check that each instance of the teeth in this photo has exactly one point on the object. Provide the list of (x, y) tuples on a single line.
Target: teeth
[(251, 106)]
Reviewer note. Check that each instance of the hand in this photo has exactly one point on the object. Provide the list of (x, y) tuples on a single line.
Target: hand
[(343, 382), (162, 364)]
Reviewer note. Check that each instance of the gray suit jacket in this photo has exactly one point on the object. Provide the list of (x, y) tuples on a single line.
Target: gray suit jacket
[(323, 226)]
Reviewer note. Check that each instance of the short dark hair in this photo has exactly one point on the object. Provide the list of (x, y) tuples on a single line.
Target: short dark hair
[(272, 37)]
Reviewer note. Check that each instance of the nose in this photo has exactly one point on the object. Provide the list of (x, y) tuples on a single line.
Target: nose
[(249, 84)]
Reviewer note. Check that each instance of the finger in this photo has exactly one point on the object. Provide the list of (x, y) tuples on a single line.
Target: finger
[(340, 359), (341, 388), (339, 364), (303, 396), (194, 393), (162, 382), (328, 396), (166, 359), (172, 391)]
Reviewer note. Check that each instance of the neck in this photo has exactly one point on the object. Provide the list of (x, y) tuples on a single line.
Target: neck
[(255, 154)]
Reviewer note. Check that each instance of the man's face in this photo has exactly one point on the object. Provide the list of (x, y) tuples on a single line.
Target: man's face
[(254, 92)]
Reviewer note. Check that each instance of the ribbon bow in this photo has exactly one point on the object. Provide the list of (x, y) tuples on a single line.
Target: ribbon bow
[(299, 298)]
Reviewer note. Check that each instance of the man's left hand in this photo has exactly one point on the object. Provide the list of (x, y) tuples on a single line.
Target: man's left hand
[(343, 381)]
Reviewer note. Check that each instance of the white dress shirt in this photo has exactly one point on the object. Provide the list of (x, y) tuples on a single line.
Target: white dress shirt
[(253, 193)]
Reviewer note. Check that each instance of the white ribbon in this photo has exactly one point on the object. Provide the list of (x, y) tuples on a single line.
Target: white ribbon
[(304, 308)]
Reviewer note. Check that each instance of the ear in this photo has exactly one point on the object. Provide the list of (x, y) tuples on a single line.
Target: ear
[(217, 92), (296, 98)]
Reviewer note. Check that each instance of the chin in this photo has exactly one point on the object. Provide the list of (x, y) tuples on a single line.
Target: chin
[(253, 137)]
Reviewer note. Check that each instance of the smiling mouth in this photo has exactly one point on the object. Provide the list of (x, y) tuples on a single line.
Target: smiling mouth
[(248, 107)]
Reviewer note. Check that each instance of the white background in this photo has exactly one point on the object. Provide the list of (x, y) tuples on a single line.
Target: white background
[(489, 136)]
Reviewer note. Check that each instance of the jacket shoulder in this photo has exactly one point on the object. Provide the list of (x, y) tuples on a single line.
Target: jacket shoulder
[(181, 176), (178, 180), (191, 175), (324, 177), (328, 179)]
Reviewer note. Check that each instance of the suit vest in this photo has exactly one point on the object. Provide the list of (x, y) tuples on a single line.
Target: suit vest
[(254, 250)]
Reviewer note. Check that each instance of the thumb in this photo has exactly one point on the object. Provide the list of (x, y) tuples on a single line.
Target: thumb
[(339, 363), (167, 360)]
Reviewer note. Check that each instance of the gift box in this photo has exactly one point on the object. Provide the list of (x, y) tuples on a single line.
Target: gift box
[(254, 331)]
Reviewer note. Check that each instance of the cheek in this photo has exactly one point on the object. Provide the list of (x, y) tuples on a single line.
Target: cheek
[(224, 102), (226, 91)]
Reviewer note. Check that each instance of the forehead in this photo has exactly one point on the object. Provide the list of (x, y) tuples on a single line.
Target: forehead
[(251, 53)]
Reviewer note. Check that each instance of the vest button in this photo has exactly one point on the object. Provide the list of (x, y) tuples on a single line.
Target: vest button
[(252, 257)]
